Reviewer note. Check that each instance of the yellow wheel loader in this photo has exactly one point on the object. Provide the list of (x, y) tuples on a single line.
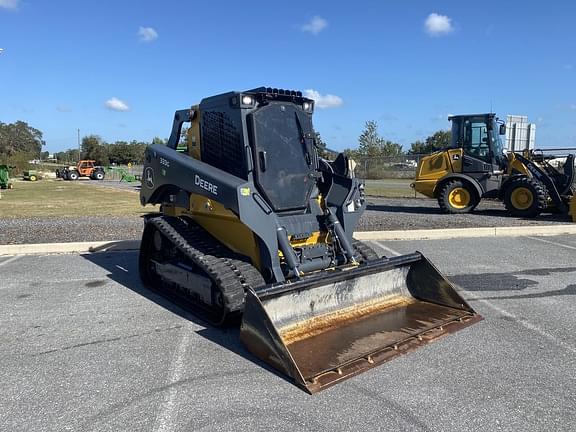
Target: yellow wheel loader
[(475, 167), (253, 224)]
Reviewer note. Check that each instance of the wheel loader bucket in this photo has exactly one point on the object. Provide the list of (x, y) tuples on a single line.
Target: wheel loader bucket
[(322, 330)]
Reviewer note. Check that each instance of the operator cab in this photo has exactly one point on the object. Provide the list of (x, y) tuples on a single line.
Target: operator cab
[(479, 136)]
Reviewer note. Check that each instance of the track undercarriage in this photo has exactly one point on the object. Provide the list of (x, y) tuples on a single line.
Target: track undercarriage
[(183, 262)]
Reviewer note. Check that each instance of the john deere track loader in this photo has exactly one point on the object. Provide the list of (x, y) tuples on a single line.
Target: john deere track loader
[(254, 224), (475, 167)]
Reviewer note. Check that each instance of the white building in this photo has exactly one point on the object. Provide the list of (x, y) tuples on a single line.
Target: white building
[(520, 135)]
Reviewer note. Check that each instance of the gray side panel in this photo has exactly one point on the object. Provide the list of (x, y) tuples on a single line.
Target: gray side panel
[(165, 167), (167, 170)]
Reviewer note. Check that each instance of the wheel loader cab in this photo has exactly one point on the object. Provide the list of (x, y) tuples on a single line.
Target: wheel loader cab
[(479, 138)]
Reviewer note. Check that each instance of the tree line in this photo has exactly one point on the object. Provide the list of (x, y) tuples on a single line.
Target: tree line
[(119, 152), (371, 145)]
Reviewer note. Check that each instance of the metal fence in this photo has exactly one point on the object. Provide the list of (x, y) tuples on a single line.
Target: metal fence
[(398, 167), (123, 172)]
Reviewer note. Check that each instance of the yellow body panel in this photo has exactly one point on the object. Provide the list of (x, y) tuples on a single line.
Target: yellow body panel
[(225, 226), (434, 167), (315, 238), (220, 223)]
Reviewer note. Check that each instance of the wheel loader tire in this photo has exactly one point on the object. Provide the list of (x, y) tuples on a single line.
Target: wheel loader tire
[(98, 175), (73, 175), (33, 178), (525, 197), (457, 196)]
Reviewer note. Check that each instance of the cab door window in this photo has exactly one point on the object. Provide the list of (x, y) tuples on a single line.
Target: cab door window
[(476, 143)]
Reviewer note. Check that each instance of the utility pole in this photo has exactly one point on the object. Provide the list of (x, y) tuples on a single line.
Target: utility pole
[(78, 144)]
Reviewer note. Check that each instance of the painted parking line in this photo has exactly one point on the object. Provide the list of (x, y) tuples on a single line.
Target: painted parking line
[(387, 249), (9, 260), (165, 420), (553, 243)]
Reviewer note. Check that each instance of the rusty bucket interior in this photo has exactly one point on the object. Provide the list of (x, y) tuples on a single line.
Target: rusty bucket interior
[(322, 330)]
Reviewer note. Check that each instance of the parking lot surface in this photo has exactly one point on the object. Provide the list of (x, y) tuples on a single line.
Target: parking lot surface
[(83, 346)]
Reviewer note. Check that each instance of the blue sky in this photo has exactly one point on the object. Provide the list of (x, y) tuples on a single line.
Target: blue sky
[(119, 69)]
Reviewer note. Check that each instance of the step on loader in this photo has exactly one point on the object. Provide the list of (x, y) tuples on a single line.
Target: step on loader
[(254, 225)]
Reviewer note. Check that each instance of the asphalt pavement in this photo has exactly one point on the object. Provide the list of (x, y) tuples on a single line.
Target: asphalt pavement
[(83, 346)]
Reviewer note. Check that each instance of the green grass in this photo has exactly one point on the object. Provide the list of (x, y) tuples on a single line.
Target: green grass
[(57, 198), (50, 198), (391, 188)]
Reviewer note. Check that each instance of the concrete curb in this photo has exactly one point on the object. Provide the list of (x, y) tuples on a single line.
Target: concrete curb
[(78, 247), (432, 234), (438, 234)]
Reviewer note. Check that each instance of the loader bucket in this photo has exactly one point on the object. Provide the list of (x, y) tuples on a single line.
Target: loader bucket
[(322, 330)]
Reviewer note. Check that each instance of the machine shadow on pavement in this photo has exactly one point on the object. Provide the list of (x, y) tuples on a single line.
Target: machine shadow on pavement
[(517, 281), (122, 268), (429, 210)]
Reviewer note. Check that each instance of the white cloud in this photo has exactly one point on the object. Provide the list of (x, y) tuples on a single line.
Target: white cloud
[(315, 25), (9, 4), (116, 104), (146, 34), (438, 25), (323, 101)]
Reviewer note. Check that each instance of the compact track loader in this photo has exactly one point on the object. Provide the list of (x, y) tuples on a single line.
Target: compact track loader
[(476, 166), (254, 224)]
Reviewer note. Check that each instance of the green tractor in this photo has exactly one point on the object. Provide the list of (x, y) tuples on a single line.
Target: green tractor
[(31, 175), (5, 182)]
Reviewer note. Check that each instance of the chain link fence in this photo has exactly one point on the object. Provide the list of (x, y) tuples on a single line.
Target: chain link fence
[(126, 173), (388, 176), (397, 167)]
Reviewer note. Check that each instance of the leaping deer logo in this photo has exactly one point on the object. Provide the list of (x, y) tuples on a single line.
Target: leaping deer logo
[(149, 177)]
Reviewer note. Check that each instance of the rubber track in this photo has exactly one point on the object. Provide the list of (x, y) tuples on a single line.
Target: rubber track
[(232, 275), (365, 251)]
